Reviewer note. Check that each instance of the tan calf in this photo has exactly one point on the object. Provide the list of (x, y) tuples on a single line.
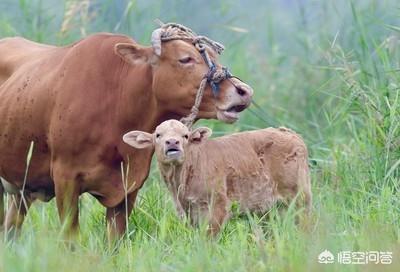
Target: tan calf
[(254, 168)]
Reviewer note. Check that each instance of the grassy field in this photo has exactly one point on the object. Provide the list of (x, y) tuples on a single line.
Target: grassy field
[(327, 69)]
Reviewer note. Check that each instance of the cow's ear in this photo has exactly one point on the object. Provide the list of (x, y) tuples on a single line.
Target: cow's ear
[(200, 134), (138, 139), (133, 53)]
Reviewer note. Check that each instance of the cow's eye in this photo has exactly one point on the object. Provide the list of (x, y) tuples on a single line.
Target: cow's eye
[(186, 136), (186, 60), (158, 135)]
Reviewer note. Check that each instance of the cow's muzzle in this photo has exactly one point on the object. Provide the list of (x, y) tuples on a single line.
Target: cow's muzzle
[(239, 100)]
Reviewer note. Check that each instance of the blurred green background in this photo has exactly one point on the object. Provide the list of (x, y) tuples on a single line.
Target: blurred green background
[(328, 69)]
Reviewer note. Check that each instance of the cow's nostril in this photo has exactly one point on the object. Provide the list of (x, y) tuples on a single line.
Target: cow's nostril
[(177, 142), (241, 92), (167, 142)]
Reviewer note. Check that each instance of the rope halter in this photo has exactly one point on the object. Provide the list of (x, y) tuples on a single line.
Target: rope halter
[(173, 31)]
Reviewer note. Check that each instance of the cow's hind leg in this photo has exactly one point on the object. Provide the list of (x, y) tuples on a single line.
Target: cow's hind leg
[(18, 206)]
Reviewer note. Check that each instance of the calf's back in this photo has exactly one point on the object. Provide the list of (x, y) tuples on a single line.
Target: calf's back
[(255, 168)]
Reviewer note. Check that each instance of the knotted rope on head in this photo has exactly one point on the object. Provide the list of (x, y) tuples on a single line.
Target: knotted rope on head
[(173, 31)]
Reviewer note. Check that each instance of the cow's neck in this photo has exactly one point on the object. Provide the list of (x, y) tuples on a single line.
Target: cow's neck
[(137, 107)]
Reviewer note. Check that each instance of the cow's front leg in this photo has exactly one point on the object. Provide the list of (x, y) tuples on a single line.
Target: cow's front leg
[(117, 217), (67, 191)]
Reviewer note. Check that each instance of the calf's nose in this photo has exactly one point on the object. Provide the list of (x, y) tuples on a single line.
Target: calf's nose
[(171, 142)]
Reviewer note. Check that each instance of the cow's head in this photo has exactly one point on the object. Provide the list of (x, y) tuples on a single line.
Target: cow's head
[(177, 70), (170, 139)]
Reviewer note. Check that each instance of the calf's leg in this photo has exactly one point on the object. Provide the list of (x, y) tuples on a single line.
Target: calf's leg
[(219, 213)]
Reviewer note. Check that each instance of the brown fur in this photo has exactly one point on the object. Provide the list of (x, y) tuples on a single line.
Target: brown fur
[(76, 102), (254, 168)]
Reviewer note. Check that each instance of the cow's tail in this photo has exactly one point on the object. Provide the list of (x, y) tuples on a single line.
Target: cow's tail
[(305, 183)]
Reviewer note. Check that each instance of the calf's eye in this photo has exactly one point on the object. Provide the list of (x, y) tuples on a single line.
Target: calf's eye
[(186, 136), (158, 135)]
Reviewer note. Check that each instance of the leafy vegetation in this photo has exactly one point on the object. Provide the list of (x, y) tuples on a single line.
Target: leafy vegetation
[(327, 69)]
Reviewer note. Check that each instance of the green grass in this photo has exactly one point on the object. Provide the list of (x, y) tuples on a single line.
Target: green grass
[(327, 69)]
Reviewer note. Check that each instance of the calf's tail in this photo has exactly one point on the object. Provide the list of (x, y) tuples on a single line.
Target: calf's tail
[(305, 183)]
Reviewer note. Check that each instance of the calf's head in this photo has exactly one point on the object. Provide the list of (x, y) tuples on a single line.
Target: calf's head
[(170, 140), (177, 68)]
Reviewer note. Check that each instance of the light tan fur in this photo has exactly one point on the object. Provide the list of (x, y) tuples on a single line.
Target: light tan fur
[(254, 168)]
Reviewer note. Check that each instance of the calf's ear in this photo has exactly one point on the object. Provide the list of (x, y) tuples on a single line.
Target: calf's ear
[(133, 53), (200, 134), (138, 139)]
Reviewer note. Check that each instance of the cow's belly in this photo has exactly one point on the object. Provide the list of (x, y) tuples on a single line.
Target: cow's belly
[(14, 164), (21, 169), (108, 186), (44, 192), (16, 139), (14, 161)]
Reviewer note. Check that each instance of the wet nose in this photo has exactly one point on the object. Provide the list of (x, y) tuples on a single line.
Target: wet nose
[(171, 142), (244, 91)]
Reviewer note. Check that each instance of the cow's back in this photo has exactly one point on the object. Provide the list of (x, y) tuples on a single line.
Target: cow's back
[(16, 51)]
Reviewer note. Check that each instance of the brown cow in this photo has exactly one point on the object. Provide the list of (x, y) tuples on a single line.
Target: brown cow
[(254, 168), (76, 102)]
